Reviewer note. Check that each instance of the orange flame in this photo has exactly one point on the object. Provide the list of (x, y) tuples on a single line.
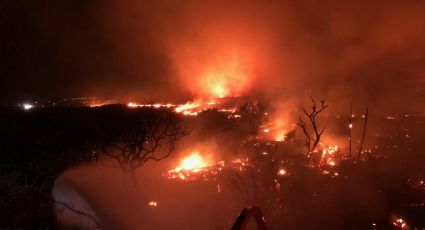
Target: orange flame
[(153, 203), (194, 162)]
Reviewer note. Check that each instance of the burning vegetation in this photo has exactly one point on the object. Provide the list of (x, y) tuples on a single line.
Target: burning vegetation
[(290, 112), (233, 147)]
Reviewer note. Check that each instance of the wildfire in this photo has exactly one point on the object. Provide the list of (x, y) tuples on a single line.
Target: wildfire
[(189, 109), (193, 163), (329, 155), (280, 136), (196, 167), (186, 107), (191, 167), (157, 105), (219, 91), (275, 130), (192, 108)]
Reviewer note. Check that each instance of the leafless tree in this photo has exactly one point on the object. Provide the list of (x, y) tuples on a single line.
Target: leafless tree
[(312, 138), (151, 137)]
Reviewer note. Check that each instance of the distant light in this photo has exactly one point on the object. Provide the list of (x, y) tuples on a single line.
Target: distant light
[(350, 126), (28, 106), (132, 105)]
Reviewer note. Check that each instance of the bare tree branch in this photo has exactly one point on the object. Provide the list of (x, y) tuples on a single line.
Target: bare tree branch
[(312, 139)]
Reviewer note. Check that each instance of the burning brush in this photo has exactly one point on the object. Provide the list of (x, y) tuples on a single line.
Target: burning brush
[(195, 167)]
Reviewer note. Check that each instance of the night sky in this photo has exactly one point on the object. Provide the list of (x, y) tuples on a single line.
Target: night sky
[(369, 53)]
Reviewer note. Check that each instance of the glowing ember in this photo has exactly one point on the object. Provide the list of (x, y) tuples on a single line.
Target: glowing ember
[(331, 162), (281, 172), (153, 203), (328, 155), (399, 223), (192, 162)]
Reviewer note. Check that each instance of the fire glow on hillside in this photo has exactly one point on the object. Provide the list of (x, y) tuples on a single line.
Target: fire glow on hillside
[(196, 167)]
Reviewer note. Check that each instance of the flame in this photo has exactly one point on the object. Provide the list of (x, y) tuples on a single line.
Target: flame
[(191, 167), (156, 106), (186, 107), (219, 91), (399, 223), (224, 75), (275, 130), (281, 172), (280, 136), (331, 162), (192, 163), (153, 203), (329, 154), (132, 105), (192, 108), (196, 167), (220, 63), (189, 109)]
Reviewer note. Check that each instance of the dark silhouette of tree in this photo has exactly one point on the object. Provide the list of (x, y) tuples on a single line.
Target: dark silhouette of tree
[(312, 138), (38, 146), (138, 138)]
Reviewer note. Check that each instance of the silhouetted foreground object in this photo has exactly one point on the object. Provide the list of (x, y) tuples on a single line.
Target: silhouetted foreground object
[(312, 138), (38, 145), (245, 216)]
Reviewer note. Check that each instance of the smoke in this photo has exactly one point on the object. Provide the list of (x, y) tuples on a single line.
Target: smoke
[(121, 204), (368, 53)]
